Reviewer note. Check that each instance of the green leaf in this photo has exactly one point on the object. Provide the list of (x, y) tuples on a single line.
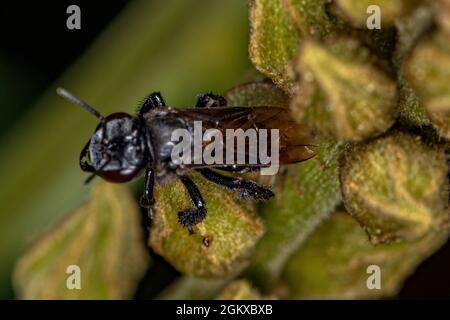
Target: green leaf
[(333, 262), (396, 187), (305, 194), (103, 238)]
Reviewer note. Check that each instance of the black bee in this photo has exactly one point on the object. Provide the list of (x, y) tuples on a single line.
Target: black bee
[(123, 146)]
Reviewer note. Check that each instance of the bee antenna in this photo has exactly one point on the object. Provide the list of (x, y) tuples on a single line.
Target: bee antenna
[(70, 97), (89, 179)]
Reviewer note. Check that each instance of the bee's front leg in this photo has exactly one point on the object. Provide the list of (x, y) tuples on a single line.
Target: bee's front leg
[(147, 199), (189, 218), (153, 100), (210, 100)]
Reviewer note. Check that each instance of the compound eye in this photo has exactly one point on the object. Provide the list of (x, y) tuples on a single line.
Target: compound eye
[(115, 116), (113, 141), (120, 176), (85, 162)]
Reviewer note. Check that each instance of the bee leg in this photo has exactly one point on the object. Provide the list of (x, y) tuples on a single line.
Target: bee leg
[(246, 189), (189, 218), (210, 100), (153, 100), (147, 199)]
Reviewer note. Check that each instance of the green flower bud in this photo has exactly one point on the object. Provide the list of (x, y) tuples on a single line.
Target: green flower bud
[(273, 40), (103, 238), (276, 29), (221, 243), (428, 71), (311, 17), (396, 187), (411, 111), (356, 11), (338, 262), (341, 92)]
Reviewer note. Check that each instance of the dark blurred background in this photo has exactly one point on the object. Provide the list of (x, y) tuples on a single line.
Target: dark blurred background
[(36, 48)]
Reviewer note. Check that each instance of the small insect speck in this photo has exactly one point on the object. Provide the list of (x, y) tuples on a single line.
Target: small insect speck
[(206, 242)]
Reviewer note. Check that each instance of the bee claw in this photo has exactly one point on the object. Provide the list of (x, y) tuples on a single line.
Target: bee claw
[(191, 217)]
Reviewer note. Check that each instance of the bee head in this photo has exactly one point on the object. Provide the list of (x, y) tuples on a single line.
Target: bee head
[(117, 150)]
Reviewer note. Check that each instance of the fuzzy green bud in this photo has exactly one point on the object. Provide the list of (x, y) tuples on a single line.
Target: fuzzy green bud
[(396, 187), (311, 17), (411, 111), (428, 71), (357, 12), (341, 92), (277, 27), (273, 40), (221, 243), (338, 262)]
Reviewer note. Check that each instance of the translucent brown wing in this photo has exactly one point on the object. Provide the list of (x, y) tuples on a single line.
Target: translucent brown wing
[(295, 140)]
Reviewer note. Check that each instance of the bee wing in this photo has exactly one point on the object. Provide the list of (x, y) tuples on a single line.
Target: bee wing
[(294, 140)]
